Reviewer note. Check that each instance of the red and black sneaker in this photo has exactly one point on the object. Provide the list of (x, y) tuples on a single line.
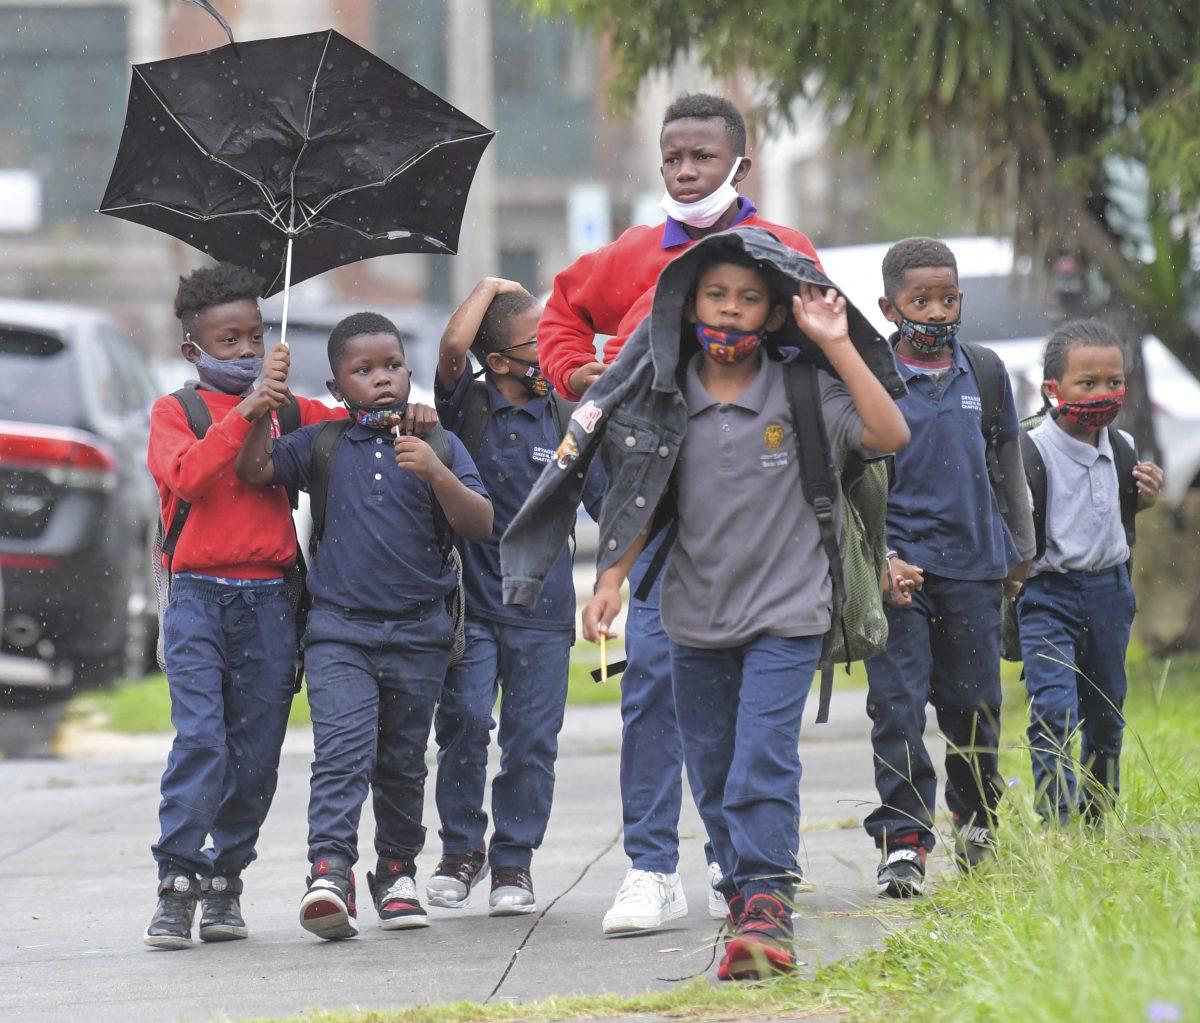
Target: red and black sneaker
[(901, 873), (395, 895), (762, 945), (328, 909)]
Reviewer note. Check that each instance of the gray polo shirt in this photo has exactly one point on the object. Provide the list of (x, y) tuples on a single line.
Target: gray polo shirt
[(748, 558), (1083, 502)]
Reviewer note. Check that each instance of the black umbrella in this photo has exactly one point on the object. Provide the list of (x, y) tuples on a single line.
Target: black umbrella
[(306, 142)]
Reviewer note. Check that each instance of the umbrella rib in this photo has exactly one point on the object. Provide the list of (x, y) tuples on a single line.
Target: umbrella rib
[(399, 170), (312, 99), (196, 142), (378, 237), (187, 213)]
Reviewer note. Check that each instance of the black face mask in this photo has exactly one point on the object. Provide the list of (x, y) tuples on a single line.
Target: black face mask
[(532, 379)]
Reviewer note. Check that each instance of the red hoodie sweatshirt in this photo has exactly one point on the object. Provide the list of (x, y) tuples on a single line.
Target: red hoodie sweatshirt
[(610, 291), (234, 530)]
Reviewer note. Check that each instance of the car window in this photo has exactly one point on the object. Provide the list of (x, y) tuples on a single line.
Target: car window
[(39, 379), (131, 386)]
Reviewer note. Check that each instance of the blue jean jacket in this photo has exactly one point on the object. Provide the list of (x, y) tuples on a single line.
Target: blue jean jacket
[(636, 416)]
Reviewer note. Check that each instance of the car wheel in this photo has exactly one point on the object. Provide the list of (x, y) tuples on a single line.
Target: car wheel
[(141, 615)]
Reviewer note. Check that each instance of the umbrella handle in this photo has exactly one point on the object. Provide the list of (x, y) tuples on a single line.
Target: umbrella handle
[(287, 288)]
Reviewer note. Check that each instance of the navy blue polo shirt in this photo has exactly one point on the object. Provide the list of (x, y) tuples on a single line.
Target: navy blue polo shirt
[(942, 514), (380, 549), (518, 443)]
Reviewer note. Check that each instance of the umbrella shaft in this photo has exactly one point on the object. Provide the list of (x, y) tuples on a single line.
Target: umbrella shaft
[(287, 288)]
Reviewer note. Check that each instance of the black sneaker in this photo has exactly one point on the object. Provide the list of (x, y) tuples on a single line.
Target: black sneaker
[(395, 895), (974, 846), (901, 875), (762, 946), (451, 884), (512, 892), (328, 909), (221, 909), (171, 925)]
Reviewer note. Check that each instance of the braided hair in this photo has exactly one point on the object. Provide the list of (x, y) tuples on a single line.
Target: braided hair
[(1085, 333)]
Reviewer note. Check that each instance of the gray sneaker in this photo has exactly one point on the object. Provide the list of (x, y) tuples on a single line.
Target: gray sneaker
[(171, 925), (512, 892), (451, 884)]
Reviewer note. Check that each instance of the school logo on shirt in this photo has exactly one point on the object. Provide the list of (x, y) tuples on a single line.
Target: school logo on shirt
[(774, 457), (972, 402), (541, 455), (773, 437)]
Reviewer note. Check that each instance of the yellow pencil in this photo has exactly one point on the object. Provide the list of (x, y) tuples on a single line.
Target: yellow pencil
[(603, 655)]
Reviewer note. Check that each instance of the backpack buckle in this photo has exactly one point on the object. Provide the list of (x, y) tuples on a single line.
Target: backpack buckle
[(823, 506)]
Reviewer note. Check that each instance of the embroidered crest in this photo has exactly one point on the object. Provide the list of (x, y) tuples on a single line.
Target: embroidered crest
[(567, 452), (773, 437), (587, 415)]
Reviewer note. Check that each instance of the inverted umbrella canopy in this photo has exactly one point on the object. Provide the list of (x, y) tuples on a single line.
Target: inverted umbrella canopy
[(307, 143)]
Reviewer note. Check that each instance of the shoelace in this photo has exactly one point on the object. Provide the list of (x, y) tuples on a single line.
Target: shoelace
[(645, 884), (759, 918), (177, 907), (461, 868), (512, 877), (403, 889)]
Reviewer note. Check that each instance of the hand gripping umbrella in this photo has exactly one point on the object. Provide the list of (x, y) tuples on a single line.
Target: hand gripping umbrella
[(292, 156)]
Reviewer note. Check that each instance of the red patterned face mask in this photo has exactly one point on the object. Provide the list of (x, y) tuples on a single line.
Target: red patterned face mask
[(727, 346), (1092, 413)]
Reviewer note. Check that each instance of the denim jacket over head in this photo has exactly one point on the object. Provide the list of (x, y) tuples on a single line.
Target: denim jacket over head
[(635, 414)]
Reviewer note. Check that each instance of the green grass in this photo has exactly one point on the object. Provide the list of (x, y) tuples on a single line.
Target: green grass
[(145, 705), (1077, 924)]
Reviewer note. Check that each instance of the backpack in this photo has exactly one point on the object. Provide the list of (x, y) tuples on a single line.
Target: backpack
[(325, 445), (1124, 459), (990, 377), (199, 419), (858, 627)]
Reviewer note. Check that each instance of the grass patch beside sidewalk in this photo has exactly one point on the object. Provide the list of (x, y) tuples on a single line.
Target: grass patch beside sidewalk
[(1098, 925), (144, 706)]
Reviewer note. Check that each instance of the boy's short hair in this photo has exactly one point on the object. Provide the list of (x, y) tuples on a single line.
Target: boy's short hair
[(704, 106), (493, 328), (1089, 333), (914, 254), (212, 286), (355, 325)]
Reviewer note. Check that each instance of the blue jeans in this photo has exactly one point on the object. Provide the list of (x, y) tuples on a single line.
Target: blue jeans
[(231, 670), (1074, 633), (529, 668), (944, 649), (373, 684), (651, 751), (739, 714)]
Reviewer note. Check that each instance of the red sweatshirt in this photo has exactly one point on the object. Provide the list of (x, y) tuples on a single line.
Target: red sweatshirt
[(234, 530), (610, 291)]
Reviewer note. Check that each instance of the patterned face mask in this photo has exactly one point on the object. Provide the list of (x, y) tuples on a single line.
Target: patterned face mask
[(928, 338), (1090, 413), (532, 379), (375, 417), (727, 346)]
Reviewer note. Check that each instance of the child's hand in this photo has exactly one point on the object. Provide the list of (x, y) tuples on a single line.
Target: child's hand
[(500, 286), (901, 580), (1149, 479), (585, 376), (419, 419), (1016, 579), (599, 614), (822, 317), (269, 396), (416, 456), (277, 364)]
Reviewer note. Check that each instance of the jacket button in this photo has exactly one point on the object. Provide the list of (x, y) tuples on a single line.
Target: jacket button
[(512, 436), (640, 501), (612, 545), (630, 441), (664, 451)]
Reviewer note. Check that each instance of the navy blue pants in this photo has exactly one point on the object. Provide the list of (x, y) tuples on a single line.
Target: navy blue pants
[(739, 714), (373, 685), (528, 667), (651, 751), (1074, 633), (944, 649), (231, 669)]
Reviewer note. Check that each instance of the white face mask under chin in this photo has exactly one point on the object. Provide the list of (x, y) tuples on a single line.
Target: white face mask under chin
[(707, 211)]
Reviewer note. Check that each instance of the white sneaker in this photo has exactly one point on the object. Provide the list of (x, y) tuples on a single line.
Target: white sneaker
[(718, 908), (645, 902)]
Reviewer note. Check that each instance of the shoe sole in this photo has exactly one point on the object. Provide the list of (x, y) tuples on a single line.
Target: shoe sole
[(404, 923), (892, 890), (512, 909), (620, 926), (168, 942), (327, 917), (753, 962), (223, 932), (436, 898)]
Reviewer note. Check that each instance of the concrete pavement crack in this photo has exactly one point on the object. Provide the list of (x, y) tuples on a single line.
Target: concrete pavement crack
[(538, 919)]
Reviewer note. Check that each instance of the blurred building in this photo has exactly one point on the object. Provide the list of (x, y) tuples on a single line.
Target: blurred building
[(563, 175)]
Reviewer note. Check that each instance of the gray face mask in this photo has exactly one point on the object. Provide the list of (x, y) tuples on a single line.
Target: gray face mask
[(233, 376)]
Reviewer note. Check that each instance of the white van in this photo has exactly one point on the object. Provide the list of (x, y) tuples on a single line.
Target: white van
[(1006, 312)]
